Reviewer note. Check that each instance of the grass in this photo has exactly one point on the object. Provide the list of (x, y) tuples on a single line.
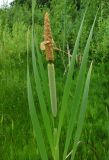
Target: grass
[(23, 144), (17, 139)]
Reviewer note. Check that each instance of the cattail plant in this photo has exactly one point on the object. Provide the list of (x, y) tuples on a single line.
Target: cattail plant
[(78, 103), (48, 47)]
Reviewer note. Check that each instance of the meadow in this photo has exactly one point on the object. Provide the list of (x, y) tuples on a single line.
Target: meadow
[(18, 140)]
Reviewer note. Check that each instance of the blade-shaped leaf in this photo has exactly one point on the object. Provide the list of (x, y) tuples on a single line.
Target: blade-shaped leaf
[(82, 113), (39, 89), (78, 92), (42, 71), (40, 95), (68, 82), (35, 121)]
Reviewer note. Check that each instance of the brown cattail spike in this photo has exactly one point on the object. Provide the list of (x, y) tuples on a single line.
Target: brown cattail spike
[(48, 39)]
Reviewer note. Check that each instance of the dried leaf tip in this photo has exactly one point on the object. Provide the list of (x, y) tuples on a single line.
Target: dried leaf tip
[(48, 38)]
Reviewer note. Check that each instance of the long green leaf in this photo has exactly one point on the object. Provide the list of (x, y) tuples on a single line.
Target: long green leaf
[(42, 103), (68, 82), (35, 121), (82, 113), (79, 87), (42, 71), (39, 89)]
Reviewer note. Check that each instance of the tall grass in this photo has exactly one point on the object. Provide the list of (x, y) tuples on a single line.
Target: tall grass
[(42, 86)]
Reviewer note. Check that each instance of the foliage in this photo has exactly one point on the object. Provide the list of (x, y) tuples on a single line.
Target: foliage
[(16, 135)]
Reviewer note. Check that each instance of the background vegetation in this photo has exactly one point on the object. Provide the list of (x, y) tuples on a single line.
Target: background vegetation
[(16, 134)]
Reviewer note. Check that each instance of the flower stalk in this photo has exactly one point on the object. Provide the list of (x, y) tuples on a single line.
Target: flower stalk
[(48, 47)]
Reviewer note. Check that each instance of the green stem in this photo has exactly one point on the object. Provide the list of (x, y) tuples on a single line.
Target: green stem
[(52, 88), (56, 148)]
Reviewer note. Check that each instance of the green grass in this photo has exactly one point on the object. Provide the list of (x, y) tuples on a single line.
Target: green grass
[(23, 144), (17, 139)]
